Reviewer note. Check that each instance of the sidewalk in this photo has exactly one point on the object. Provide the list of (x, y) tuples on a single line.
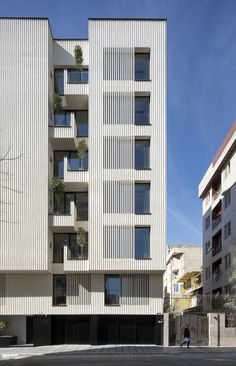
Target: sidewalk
[(29, 351)]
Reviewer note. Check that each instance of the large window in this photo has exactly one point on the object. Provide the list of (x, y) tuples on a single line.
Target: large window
[(59, 241), (59, 81), (142, 198), (59, 163), (59, 290), (62, 119), (82, 123), (142, 66), (82, 206), (142, 154), (142, 242), (76, 76), (112, 290), (142, 105)]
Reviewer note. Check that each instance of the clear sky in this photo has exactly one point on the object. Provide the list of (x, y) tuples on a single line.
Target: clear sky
[(201, 83)]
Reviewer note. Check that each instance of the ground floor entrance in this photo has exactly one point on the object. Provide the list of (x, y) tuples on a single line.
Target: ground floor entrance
[(95, 329)]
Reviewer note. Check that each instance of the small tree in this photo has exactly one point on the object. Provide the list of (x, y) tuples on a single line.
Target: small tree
[(78, 57), (82, 148), (3, 325), (82, 241), (56, 102), (57, 186)]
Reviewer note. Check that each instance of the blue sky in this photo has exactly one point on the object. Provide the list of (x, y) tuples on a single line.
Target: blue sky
[(201, 83)]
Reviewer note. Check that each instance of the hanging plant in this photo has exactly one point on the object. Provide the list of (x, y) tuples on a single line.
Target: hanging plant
[(56, 102), (57, 186), (3, 325), (82, 148), (78, 57), (82, 241)]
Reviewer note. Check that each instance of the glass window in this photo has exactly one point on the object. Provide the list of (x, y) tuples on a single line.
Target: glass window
[(59, 81), (59, 290), (82, 123), (142, 66), (142, 154), (176, 288), (82, 206), (112, 290), (75, 163), (227, 260), (77, 250), (208, 247), (62, 203), (62, 119), (142, 242), (227, 230), (207, 222), (227, 199), (76, 76), (142, 105), (142, 198), (59, 163), (59, 241)]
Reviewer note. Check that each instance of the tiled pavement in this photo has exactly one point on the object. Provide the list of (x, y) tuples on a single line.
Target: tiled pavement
[(27, 351)]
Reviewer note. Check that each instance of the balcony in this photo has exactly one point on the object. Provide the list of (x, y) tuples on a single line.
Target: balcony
[(74, 260), (58, 220), (63, 129), (217, 272), (216, 215), (76, 170), (76, 82), (216, 243)]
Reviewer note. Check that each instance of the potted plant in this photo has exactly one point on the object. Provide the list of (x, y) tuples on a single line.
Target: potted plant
[(6, 340), (82, 241), (57, 186), (56, 103), (82, 148)]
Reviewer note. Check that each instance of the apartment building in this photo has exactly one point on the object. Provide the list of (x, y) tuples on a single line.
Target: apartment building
[(82, 229), (183, 266), (218, 193)]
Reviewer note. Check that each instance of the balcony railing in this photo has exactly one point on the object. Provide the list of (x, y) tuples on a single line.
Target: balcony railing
[(77, 252), (77, 77)]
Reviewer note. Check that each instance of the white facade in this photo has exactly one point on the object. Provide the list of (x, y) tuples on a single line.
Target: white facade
[(28, 224), (218, 192)]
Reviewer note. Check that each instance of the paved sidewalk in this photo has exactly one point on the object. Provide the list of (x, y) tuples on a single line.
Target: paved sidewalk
[(17, 352)]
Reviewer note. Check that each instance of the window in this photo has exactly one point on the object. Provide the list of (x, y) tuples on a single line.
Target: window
[(76, 76), (82, 123), (142, 66), (59, 290), (59, 241), (207, 222), (227, 260), (61, 203), (227, 230), (142, 154), (112, 290), (208, 247), (81, 202), (142, 105), (227, 199), (142, 198), (59, 163), (142, 242), (208, 273), (226, 170), (176, 288), (59, 81), (62, 119)]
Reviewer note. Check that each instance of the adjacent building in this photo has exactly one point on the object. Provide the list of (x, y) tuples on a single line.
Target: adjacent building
[(182, 279), (218, 193), (82, 255)]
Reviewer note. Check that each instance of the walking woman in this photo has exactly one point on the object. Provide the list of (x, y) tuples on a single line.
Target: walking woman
[(186, 337)]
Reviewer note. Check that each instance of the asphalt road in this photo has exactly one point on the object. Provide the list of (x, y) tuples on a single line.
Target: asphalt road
[(187, 358)]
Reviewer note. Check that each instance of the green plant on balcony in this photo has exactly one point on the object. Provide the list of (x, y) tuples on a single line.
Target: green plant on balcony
[(56, 102), (82, 241), (78, 57), (3, 325), (57, 186), (82, 148)]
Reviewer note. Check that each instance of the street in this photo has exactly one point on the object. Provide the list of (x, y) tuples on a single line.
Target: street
[(185, 358)]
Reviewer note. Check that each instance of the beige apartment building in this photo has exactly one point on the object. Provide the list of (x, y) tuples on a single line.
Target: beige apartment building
[(82, 256), (218, 193)]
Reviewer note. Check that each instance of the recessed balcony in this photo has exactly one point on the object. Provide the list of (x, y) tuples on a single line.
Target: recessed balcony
[(63, 130), (60, 220), (76, 170), (216, 243)]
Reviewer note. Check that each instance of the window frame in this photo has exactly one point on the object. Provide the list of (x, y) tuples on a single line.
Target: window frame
[(138, 53), (143, 212), (106, 276), (84, 68), (147, 123), (148, 256), (54, 302), (136, 152)]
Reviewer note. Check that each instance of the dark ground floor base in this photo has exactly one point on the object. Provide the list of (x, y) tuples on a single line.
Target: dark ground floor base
[(95, 329)]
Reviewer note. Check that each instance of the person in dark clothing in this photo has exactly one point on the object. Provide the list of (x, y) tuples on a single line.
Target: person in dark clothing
[(186, 337)]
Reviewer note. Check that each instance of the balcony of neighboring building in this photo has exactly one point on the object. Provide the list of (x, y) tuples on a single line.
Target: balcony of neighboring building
[(216, 215), (217, 243)]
